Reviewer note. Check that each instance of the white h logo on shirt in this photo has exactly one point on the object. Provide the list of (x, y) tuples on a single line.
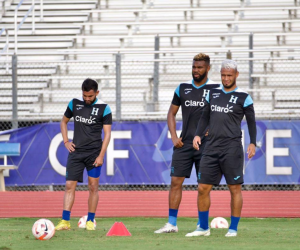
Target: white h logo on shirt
[(233, 99), (95, 111), (205, 92)]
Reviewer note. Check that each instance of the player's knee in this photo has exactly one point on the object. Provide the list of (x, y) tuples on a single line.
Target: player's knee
[(235, 189), (176, 186), (203, 190), (176, 183), (70, 187), (93, 187)]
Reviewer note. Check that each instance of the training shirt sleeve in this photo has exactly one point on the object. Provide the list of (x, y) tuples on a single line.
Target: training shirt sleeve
[(107, 116), (204, 120), (176, 98), (250, 117), (69, 110)]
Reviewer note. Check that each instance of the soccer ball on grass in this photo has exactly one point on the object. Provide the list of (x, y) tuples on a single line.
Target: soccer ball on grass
[(82, 222), (43, 229)]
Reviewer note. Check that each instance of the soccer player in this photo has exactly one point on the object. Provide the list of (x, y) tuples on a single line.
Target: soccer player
[(190, 96), (87, 149), (223, 153)]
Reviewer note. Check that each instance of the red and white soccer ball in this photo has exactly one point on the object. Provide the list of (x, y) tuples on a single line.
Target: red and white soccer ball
[(82, 222), (43, 229), (219, 222)]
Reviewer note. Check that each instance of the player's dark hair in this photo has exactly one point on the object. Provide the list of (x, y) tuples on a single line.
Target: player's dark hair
[(89, 84), (202, 57)]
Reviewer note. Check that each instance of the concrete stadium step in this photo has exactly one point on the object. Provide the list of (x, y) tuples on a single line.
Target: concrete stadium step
[(46, 31), (43, 44), (30, 72), (5, 99), (48, 13), (46, 19), (22, 85), (58, 5), (61, 107)]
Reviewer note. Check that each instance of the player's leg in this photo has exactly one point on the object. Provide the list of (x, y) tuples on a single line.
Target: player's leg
[(74, 174), (175, 196), (93, 184), (69, 196), (203, 211), (236, 208), (209, 174), (181, 168), (232, 166)]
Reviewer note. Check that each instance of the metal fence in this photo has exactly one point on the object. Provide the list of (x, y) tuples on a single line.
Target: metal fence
[(37, 91)]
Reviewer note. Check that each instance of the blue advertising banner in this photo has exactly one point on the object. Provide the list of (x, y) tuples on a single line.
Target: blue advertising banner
[(141, 153)]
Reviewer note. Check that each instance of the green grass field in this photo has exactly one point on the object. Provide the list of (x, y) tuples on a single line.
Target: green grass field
[(253, 233)]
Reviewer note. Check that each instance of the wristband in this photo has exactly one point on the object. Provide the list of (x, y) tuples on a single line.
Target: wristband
[(66, 142)]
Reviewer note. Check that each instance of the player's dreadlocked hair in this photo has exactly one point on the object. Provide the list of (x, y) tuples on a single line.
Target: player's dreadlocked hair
[(89, 84), (202, 57)]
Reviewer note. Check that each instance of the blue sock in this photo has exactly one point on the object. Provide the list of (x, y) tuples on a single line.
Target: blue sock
[(203, 218), (198, 223), (66, 215), (173, 216), (91, 216), (234, 222)]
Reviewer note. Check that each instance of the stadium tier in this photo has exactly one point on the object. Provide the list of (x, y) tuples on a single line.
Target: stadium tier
[(72, 40)]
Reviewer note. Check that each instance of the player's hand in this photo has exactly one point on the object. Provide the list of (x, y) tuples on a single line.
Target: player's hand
[(70, 146), (251, 151), (177, 142), (196, 142), (98, 162)]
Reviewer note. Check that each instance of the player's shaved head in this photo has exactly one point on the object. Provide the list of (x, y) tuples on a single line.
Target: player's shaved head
[(89, 84), (202, 57), (229, 64)]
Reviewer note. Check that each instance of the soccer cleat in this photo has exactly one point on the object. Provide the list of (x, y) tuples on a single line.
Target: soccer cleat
[(231, 233), (199, 232), (168, 228), (90, 225), (63, 225)]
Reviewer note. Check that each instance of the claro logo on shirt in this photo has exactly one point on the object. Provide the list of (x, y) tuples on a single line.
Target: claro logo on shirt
[(217, 108), (85, 120), (192, 103)]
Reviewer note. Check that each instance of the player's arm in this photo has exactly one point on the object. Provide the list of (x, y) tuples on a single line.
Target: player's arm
[(172, 126), (250, 117), (106, 140), (107, 121), (202, 124), (174, 107), (70, 146)]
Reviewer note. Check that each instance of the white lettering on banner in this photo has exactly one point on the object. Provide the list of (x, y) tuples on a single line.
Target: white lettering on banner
[(113, 154), (271, 152), (178, 132), (60, 169)]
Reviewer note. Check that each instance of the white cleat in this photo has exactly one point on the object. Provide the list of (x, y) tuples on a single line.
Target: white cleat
[(231, 233), (199, 232), (168, 228)]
